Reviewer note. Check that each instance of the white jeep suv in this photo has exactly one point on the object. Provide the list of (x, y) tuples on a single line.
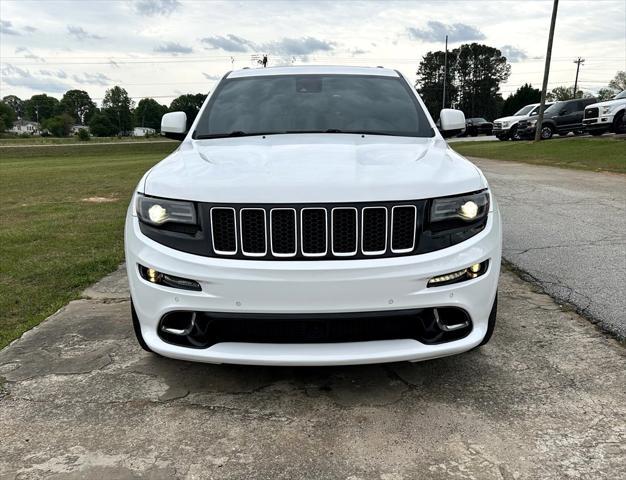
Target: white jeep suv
[(313, 216), (606, 116)]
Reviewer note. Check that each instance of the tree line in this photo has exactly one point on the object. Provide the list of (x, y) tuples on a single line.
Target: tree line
[(117, 115), (473, 77)]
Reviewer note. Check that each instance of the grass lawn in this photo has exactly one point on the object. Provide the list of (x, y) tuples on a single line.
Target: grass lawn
[(15, 140), (53, 242), (598, 154)]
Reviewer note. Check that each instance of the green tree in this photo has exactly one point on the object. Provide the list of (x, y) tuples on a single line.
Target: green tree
[(563, 93), (78, 104), (59, 125), (16, 104), (148, 113), (190, 104), (429, 84), (7, 116), (473, 80), (101, 126), (40, 107), (605, 94), (479, 71), (523, 96), (619, 81), (117, 105)]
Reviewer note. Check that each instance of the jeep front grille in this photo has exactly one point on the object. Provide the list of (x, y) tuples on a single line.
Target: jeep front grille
[(306, 232)]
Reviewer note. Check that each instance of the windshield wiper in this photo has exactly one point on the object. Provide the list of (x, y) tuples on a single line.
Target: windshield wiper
[(235, 133)]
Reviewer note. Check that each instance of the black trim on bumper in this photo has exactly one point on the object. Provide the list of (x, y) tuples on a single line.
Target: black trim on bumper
[(210, 328)]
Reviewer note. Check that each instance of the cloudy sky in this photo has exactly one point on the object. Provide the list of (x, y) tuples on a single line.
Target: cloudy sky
[(162, 48)]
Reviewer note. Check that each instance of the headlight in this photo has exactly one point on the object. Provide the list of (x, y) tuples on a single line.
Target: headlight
[(532, 123), (464, 208), (605, 110), (505, 124), (158, 211)]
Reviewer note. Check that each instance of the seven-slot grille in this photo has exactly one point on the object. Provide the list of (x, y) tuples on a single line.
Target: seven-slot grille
[(313, 231)]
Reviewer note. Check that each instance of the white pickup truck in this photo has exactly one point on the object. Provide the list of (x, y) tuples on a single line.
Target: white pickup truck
[(505, 128), (606, 116)]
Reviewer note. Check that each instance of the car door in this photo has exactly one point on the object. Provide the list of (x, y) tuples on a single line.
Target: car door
[(570, 116)]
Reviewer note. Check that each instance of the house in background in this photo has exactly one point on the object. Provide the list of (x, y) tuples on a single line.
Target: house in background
[(75, 128), (143, 131), (25, 126)]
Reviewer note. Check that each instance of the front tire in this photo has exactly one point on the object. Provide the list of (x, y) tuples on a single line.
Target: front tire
[(618, 123), (492, 322), (546, 132)]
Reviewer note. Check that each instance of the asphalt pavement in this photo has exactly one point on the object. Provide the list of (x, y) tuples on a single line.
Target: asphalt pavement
[(545, 399), (566, 229)]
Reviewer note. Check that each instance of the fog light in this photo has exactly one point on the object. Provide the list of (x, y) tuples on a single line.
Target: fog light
[(159, 278), (473, 271), (152, 275)]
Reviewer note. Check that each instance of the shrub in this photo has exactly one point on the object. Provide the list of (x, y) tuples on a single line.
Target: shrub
[(83, 135)]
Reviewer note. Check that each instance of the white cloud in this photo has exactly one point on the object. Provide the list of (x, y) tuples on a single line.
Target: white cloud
[(173, 48), (7, 28), (437, 31), (151, 8), (513, 54), (81, 34)]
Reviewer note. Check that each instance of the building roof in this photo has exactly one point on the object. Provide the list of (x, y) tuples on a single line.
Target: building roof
[(312, 70)]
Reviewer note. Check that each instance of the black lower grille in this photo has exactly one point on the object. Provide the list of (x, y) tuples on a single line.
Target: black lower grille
[(417, 324), (592, 112)]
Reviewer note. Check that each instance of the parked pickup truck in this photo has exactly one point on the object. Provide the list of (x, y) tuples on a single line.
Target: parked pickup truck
[(561, 118), (313, 215), (505, 128), (606, 116)]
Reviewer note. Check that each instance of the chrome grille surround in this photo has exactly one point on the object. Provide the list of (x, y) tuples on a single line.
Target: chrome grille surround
[(314, 232)]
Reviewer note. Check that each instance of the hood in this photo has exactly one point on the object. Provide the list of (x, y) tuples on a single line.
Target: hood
[(512, 118), (607, 103), (312, 168)]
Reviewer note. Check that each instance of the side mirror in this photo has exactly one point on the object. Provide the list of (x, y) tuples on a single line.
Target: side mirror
[(563, 111), (452, 122), (174, 125)]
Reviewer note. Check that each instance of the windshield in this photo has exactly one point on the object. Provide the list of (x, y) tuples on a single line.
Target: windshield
[(313, 104), (620, 95), (524, 110), (554, 107)]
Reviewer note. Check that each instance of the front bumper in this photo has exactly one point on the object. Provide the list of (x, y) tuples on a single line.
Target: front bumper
[(526, 132), (603, 122), (337, 286)]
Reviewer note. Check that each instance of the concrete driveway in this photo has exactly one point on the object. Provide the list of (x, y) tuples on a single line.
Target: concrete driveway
[(545, 399), (567, 230)]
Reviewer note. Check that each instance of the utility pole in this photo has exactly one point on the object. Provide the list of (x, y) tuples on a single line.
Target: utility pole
[(445, 74), (546, 72), (577, 62)]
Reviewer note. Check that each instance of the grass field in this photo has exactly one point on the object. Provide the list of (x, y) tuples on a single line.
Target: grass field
[(54, 241), (598, 154), (14, 140)]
